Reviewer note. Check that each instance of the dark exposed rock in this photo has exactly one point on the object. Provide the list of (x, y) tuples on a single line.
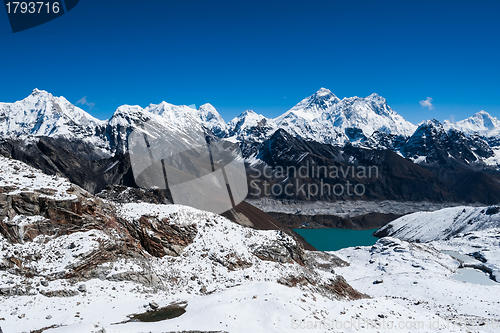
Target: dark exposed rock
[(394, 178), (12, 291), (492, 210), (282, 251), (124, 194), (159, 238), (60, 293), (62, 216), (362, 222), (453, 177), (273, 253), (257, 219), (324, 261), (75, 160), (479, 256), (339, 286), (292, 281)]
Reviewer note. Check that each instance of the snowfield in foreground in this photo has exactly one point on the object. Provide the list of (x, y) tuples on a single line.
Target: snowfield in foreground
[(71, 262), (419, 277)]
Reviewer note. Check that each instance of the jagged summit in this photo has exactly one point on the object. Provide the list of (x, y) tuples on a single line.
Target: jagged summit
[(481, 123), (312, 106), (323, 92), (42, 114), (212, 120), (37, 91), (321, 117)]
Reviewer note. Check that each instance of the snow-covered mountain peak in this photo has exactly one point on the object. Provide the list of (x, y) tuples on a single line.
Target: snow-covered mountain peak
[(208, 112), (248, 117), (126, 114), (324, 92), (432, 127), (431, 123), (311, 107), (375, 96), (170, 111), (325, 118), (37, 91), (42, 114), (248, 113), (250, 123), (212, 119), (481, 123)]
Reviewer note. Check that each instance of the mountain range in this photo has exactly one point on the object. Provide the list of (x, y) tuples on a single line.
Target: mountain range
[(460, 159)]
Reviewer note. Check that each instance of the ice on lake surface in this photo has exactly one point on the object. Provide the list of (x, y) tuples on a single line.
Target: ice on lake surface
[(472, 275)]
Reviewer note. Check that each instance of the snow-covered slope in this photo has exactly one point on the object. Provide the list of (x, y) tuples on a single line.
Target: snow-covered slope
[(181, 121), (442, 224), (420, 277), (87, 265), (481, 123), (42, 114), (54, 238), (324, 118), (17, 177)]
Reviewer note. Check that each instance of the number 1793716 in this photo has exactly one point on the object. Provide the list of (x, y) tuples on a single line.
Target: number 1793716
[(32, 7)]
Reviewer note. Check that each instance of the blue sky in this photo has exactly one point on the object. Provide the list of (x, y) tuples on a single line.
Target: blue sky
[(261, 55)]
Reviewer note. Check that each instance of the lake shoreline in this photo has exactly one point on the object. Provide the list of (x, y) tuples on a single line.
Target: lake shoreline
[(334, 239)]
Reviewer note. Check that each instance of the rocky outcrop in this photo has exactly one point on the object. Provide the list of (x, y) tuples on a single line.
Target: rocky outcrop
[(125, 194), (159, 238), (57, 217), (339, 286), (282, 251)]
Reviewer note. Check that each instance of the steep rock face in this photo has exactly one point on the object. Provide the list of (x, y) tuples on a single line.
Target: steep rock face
[(432, 143), (382, 173), (56, 216), (57, 157), (159, 238)]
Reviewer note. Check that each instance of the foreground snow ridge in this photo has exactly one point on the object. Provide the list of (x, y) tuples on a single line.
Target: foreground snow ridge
[(71, 262), (442, 224)]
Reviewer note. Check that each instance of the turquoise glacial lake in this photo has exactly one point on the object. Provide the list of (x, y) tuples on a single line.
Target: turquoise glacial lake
[(331, 239)]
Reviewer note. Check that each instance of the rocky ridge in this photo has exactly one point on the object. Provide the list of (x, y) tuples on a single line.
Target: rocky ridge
[(55, 237)]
